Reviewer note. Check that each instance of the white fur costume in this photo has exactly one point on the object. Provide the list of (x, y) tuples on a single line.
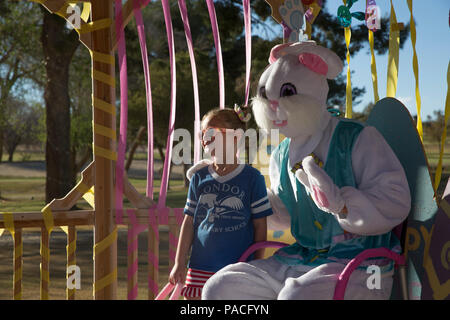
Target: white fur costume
[(292, 97)]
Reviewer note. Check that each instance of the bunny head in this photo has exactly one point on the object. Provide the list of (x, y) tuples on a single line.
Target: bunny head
[(292, 91)]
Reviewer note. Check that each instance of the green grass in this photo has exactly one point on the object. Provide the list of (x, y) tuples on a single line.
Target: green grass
[(28, 194)]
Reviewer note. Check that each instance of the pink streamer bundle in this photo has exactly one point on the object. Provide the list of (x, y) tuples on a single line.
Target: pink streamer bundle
[(133, 234), (215, 30), (153, 223), (148, 91), (187, 31), (167, 289), (168, 157)]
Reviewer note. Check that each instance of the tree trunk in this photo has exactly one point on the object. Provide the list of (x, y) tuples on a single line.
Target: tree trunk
[(161, 152), (11, 154), (59, 45)]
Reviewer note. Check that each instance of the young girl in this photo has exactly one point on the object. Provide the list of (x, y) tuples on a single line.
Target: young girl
[(226, 207)]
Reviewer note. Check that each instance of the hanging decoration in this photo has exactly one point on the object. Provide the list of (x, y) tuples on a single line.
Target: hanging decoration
[(345, 16)]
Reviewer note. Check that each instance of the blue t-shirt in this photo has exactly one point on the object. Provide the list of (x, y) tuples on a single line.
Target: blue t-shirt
[(223, 208)]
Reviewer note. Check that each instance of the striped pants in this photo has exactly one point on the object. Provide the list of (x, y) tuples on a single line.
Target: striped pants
[(195, 280)]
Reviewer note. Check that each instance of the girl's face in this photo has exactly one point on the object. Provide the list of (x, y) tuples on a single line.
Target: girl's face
[(220, 142)]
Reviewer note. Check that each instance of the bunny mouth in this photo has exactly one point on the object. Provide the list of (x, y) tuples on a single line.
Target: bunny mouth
[(279, 123)]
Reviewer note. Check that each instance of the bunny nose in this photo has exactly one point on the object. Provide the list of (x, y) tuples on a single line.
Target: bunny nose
[(273, 105)]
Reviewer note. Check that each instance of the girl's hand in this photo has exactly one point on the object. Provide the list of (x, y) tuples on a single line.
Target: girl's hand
[(178, 274)]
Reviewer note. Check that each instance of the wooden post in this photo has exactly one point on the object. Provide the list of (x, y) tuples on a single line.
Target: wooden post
[(105, 262), (17, 264), (45, 263), (71, 256), (133, 263)]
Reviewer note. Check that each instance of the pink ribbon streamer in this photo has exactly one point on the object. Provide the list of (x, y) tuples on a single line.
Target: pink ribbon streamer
[(215, 30), (168, 157), (133, 234), (187, 32), (248, 47), (121, 51), (152, 258), (167, 289), (148, 90)]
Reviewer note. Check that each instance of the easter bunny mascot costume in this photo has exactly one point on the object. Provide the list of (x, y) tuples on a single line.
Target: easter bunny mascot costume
[(335, 182)]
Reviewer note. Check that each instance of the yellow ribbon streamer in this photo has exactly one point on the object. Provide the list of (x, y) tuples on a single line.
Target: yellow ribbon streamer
[(45, 276), (373, 68), (105, 281), (105, 153), (8, 220), (82, 188), (45, 251), (102, 57), (89, 197), (98, 248), (348, 90), (88, 193), (94, 26), (106, 242), (416, 70), (86, 11), (437, 177), (104, 131), (103, 105), (315, 9), (104, 77), (48, 218), (394, 45)]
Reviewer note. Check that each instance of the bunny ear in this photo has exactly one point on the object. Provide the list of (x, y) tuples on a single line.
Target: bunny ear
[(275, 52), (314, 57), (325, 62), (313, 62)]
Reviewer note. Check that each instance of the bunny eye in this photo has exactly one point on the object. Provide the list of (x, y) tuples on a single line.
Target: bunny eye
[(262, 92), (287, 89)]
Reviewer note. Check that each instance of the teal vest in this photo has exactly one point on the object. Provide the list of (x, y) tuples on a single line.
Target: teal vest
[(319, 237)]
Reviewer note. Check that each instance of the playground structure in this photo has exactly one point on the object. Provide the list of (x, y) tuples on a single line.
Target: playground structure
[(102, 36)]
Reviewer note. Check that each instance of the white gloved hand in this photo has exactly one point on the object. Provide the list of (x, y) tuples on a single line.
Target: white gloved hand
[(326, 195), (197, 166)]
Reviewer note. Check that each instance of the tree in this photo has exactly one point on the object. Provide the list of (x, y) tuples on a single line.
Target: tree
[(21, 65), (80, 87), (59, 44), (433, 128), (22, 125)]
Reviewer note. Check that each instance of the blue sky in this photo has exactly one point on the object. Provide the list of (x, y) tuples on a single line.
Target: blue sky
[(433, 52)]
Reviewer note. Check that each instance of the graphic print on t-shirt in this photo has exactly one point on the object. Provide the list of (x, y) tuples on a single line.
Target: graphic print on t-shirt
[(216, 208)]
